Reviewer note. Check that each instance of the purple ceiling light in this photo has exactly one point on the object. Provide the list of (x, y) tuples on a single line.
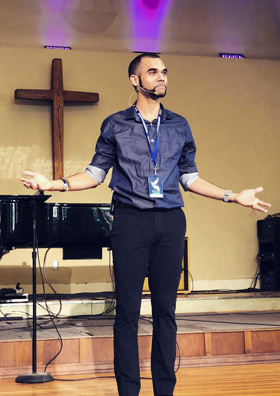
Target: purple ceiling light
[(57, 47), (53, 30), (147, 20), (231, 56)]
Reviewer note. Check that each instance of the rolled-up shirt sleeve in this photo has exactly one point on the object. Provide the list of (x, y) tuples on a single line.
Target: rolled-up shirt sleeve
[(187, 166), (187, 179), (104, 157), (96, 173)]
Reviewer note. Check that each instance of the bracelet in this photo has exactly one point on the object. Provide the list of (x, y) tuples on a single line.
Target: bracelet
[(226, 196), (69, 184), (65, 185)]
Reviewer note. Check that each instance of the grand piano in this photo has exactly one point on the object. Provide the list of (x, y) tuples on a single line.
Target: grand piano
[(82, 230)]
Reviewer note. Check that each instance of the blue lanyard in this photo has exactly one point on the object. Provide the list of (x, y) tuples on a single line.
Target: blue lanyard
[(155, 152)]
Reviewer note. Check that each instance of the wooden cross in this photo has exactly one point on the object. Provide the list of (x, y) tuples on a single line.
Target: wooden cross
[(57, 96)]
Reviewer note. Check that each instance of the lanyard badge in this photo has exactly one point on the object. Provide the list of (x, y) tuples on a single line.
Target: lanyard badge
[(155, 180), (155, 186)]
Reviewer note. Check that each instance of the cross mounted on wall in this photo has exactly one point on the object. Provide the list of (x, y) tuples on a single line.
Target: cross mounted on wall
[(57, 96)]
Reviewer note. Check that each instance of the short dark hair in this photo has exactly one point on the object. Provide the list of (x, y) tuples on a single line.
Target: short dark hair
[(136, 61)]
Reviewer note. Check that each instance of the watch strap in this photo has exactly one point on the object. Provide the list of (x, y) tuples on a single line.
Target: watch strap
[(226, 196)]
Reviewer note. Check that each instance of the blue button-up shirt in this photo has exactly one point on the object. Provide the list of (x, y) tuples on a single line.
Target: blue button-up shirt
[(123, 145)]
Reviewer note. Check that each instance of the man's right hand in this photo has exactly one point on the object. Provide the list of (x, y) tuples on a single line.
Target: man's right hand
[(36, 181)]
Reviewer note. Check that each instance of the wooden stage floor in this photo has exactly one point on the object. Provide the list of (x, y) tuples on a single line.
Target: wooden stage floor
[(254, 380)]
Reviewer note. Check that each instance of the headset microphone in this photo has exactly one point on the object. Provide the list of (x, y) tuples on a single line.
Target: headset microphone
[(149, 91)]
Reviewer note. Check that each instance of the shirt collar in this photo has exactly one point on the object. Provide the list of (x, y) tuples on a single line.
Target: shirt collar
[(130, 113)]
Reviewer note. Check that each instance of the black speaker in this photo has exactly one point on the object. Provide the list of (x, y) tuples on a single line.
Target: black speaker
[(269, 253)]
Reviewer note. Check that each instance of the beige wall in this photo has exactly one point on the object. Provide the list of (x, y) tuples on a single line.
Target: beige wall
[(232, 107)]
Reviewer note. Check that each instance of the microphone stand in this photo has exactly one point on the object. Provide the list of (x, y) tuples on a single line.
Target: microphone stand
[(34, 377)]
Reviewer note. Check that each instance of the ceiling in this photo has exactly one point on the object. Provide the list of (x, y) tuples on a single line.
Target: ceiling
[(185, 27)]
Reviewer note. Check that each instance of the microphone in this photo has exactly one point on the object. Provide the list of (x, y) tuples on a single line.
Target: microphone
[(145, 90)]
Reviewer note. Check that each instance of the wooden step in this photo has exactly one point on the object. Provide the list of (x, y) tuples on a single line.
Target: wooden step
[(95, 354)]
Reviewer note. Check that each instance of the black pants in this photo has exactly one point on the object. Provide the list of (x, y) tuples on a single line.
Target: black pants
[(141, 241)]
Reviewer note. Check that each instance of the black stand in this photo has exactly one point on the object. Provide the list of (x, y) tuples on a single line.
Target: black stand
[(34, 377)]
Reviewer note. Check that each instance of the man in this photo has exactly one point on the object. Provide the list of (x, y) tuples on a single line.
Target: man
[(151, 150)]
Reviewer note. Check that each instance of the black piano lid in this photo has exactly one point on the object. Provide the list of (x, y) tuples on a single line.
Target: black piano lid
[(42, 198), (24, 198)]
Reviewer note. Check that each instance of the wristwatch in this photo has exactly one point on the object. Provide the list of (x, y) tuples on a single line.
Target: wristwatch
[(226, 196)]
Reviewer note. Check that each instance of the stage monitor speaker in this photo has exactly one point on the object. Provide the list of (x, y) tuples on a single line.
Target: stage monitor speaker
[(269, 253)]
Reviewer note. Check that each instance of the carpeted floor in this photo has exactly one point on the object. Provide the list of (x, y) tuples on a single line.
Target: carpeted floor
[(12, 328)]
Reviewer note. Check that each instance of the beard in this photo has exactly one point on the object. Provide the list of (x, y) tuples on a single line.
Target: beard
[(151, 93)]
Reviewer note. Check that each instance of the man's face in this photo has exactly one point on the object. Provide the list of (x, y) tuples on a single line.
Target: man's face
[(152, 75)]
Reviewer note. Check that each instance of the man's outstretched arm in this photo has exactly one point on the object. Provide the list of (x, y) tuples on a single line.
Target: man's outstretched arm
[(245, 198), (37, 181)]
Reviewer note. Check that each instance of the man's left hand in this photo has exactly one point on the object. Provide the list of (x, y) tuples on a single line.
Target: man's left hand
[(247, 198)]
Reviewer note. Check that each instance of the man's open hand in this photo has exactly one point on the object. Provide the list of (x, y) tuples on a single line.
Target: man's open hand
[(36, 181), (247, 198)]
